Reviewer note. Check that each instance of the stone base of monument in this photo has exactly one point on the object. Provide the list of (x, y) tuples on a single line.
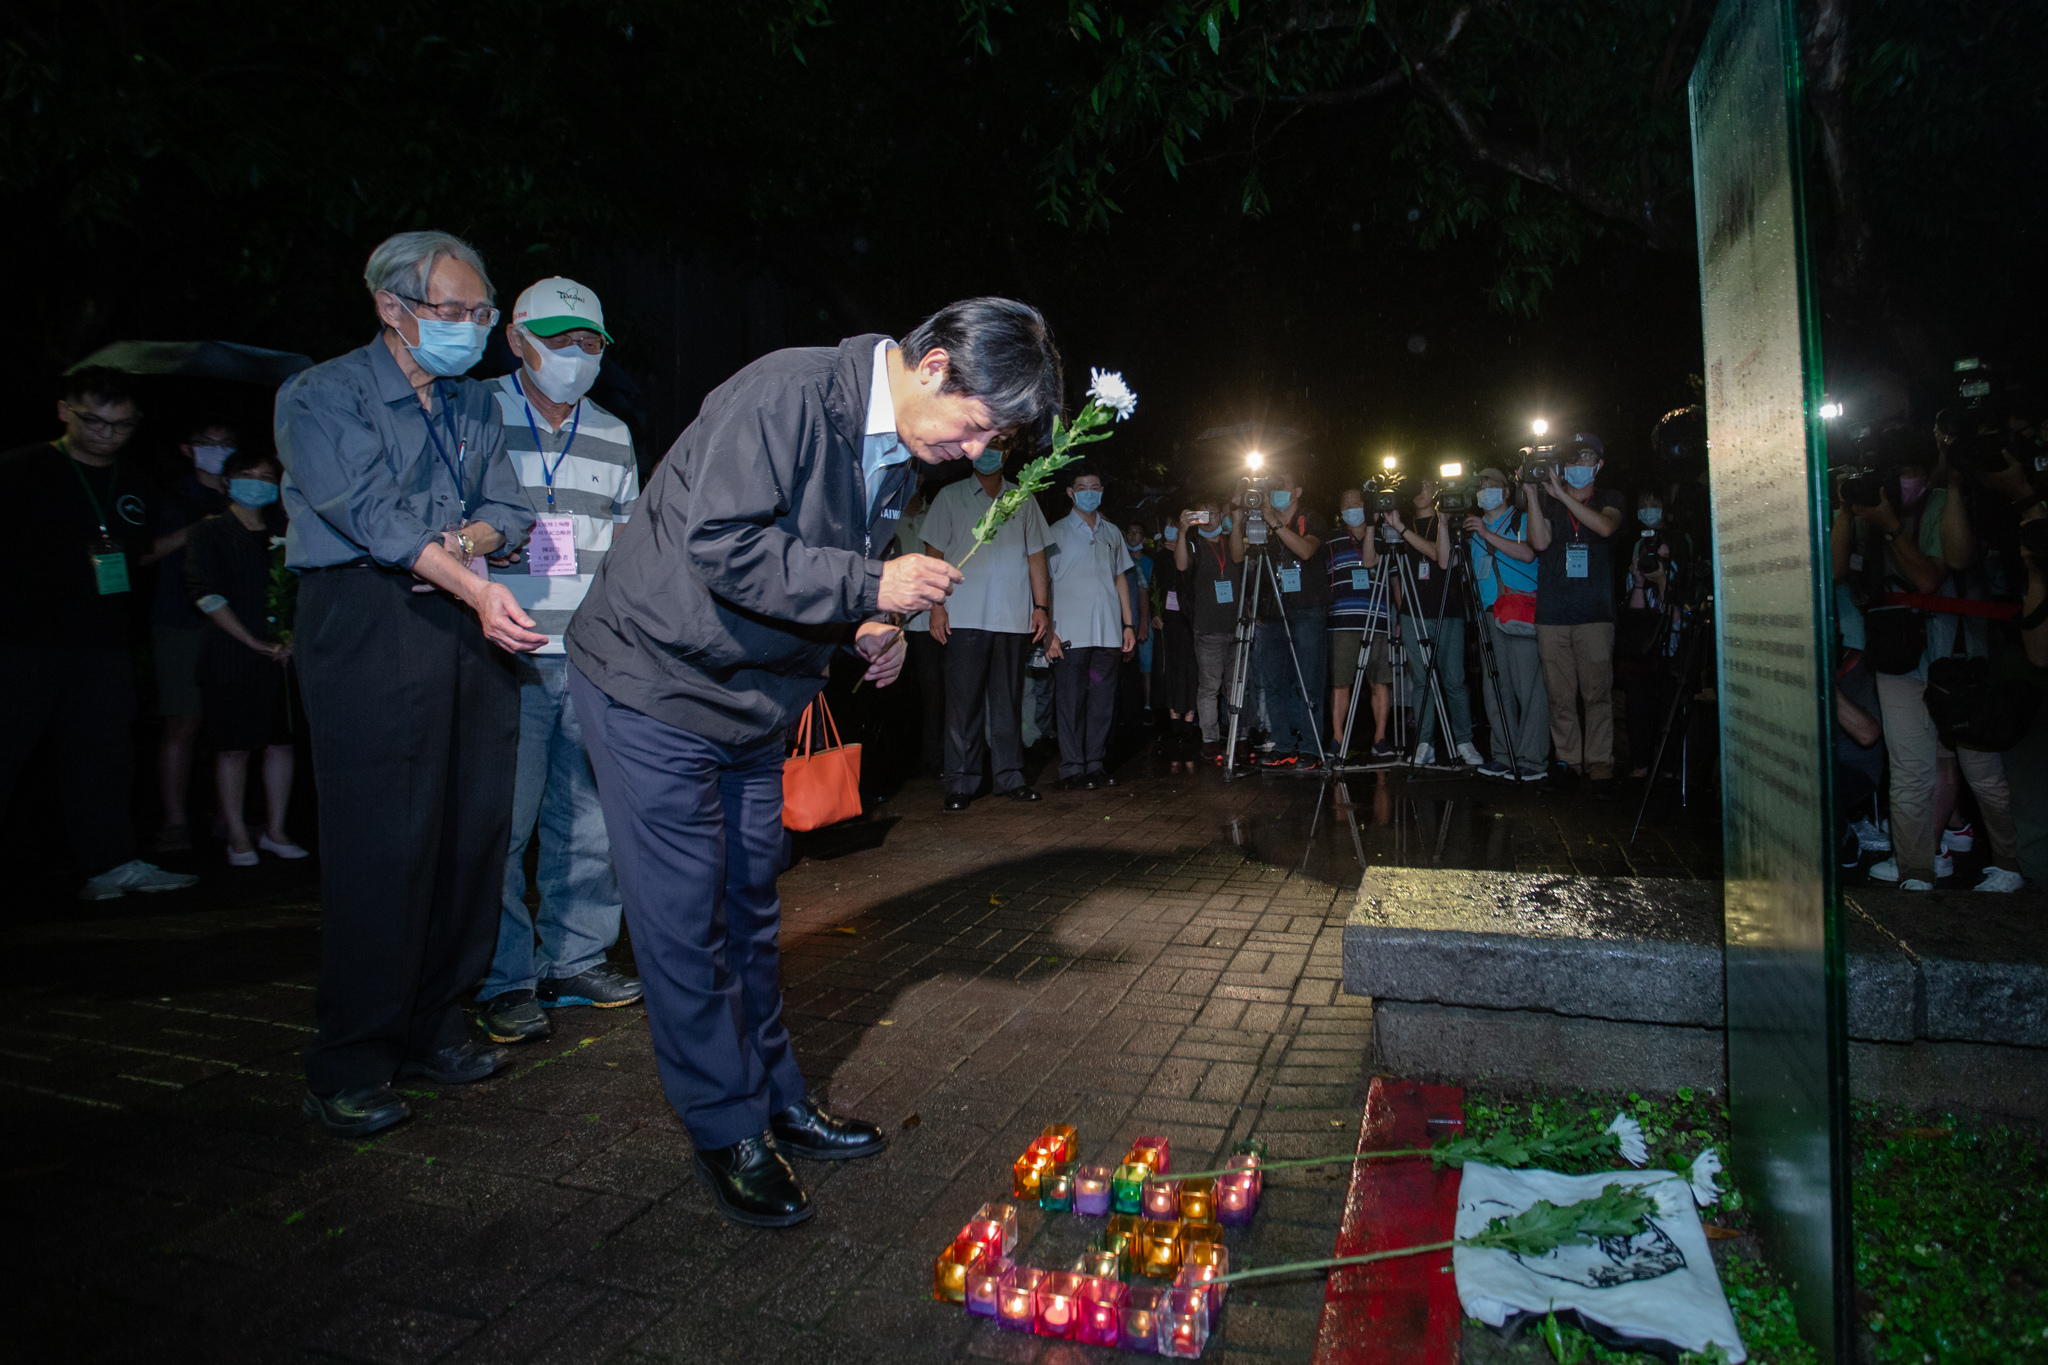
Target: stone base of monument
[(1616, 983)]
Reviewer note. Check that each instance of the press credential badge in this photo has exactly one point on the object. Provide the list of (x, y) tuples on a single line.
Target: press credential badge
[(552, 550)]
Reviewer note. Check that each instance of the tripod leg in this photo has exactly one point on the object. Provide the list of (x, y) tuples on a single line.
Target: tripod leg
[(1689, 656), (1247, 633), (1294, 658), (1428, 651)]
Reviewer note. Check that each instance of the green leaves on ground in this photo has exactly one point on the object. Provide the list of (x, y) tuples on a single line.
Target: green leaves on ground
[(1617, 1211)]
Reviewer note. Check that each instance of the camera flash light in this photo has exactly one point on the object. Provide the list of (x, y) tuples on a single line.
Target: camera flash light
[(1539, 426), (1255, 460), (1452, 470), (1830, 410), (1387, 462)]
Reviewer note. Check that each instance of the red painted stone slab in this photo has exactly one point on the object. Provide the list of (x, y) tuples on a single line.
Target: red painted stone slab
[(1403, 1311)]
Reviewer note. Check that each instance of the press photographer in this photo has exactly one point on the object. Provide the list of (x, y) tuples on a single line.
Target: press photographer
[(1572, 523), (1426, 545), (1648, 630), (1268, 517), (1504, 569)]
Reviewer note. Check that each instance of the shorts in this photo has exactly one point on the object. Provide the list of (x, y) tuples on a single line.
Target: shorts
[(1344, 647), (177, 670)]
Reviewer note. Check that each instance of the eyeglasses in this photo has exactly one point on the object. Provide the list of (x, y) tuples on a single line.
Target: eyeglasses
[(591, 342), (100, 426), (483, 315)]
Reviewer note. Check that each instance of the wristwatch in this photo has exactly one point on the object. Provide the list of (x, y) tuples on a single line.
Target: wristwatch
[(468, 550)]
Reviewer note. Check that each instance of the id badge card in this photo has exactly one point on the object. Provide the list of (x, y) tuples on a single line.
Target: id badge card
[(109, 567), (1577, 559), (1422, 568), (1225, 594), (1290, 579), (551, 551), (1172, 600), (1361, 580)]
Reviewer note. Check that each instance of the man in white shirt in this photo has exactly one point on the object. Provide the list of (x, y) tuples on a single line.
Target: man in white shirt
[(1091, 623), (987, 628), (575, 464)]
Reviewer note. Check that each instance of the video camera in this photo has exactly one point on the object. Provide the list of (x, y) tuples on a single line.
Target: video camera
[(1258, 491), (1538, 464), (1454, 489), (1875, 455)]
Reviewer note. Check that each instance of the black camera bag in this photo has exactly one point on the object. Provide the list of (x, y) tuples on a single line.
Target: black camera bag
[(1974, 707)]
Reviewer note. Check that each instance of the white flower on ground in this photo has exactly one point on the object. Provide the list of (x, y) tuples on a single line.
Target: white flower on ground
[(1705, 1167), (1107, 387), (1633, 1150), (1669, 1194)]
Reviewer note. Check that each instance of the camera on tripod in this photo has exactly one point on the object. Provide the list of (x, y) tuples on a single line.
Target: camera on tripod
[(1454, 489)]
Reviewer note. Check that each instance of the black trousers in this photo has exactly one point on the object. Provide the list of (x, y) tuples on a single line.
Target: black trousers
[(928, 657), (87, 696), (985, 709), (1085, 683), (414, 719)]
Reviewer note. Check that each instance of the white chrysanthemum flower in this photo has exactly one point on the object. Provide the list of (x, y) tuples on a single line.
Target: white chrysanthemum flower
[(1705, 1167), (1669, 1195), (1107, 387), (1633, 1149)]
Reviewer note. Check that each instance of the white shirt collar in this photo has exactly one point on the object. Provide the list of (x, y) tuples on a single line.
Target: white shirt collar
[(881, 407)]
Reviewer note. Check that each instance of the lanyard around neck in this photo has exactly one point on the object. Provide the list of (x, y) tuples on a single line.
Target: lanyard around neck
[(99, 512), (547, 473), (455, 465)]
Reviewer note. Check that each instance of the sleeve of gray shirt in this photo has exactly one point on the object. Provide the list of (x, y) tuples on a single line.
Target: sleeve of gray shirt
[(336, 459)]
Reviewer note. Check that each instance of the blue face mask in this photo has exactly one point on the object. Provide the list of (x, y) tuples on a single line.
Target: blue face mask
[(1649, 516), (1354, 516), (1087, 499), (1491, 498), (1172, 533), (988, 462), (1209, 534), (448, 349), (1580, 475), (1281, 497), (252, 493)]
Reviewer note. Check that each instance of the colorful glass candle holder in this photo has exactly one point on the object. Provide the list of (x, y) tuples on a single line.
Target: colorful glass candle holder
[(985, 1286), (1148, 1157), (1161, 1248), (1056, 1304), (983, 1232), (1101, 1261), (1201, 1264), (1197, 1201), (1183, 1323), (1005, 1214), (1028, 1170), (1141, 1319), (1193, 1233), (1121, 1237), (1017, 1298), (1102, 1311), (1056, 1187), (1252, 1163), (1127, 1187), (1091, 1191), (1157, 1142), (1237, 1198), (1161, 1199), (949, 1272), (1060, 1141)]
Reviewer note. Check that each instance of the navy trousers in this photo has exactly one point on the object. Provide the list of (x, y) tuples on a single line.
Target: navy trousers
[(696, 831)]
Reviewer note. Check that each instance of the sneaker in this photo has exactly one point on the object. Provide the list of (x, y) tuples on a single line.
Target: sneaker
[(1530, 774), (1278, 761), (1468, 752), (1888, 870), (1999, 879), (135, 875), (246, 858), (1959, 840), (1383, 751), (1915, 884), (513, 1017), (280, 848), (1873, 837), (1496, 769), (604, 986), (1425, 756), (1265, 746)]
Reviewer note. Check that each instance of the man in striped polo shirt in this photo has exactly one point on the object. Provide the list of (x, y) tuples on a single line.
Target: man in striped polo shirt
[(575, 465)]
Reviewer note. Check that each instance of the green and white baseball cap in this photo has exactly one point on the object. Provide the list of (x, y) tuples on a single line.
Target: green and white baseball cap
[(555, 305)]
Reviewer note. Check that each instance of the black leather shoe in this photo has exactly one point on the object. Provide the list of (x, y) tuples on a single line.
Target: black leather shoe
[(807, 1131), (1104, 780), (356, 1113), (954, 801), (752, 1183), (1023, 794), (1079, 784), (457, 1065), (513, 1017)]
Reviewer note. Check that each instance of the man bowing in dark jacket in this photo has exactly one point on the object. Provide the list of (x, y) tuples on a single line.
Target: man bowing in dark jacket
[(752, 556)]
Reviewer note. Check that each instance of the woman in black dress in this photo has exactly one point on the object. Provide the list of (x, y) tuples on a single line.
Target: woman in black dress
[(243, 684)]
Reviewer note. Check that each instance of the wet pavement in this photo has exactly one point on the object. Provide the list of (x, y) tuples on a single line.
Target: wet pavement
[(1160, 957)]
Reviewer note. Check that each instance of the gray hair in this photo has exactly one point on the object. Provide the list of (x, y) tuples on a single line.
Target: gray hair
[(404, 261)]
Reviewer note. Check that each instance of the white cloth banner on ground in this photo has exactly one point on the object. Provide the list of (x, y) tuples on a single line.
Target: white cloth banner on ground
[(1658, 1285)]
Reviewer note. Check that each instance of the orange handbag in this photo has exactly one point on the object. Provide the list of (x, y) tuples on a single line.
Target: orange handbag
[(820, 786)]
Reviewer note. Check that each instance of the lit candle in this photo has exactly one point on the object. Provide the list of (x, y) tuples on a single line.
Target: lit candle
[(1028, 1170), (1063, 1143), (985, 1286), (1126, 1187), (1102, 1309), (1197, 1200), (1056, 1187), (984, 1232), (1234, 1202), (1141, 1319), (1157, 1142), (1161, 1243), (1016, 1300), (1162, 1199), (949, 1271), (1183, 1323), (1091, 1191), (1148, 1157), (1100, 1261), (1056, 1304), (1005, 1214), (1249, 1162)]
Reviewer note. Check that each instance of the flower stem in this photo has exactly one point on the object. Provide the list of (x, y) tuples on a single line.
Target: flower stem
[(969, 555), (1334, 1262), (1291, 1163)]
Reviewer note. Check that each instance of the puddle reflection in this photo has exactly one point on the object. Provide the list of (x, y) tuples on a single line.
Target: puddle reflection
[(1332, 831)]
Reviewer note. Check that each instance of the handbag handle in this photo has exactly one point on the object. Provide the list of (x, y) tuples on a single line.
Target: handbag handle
[(802, 748), (829, 725)]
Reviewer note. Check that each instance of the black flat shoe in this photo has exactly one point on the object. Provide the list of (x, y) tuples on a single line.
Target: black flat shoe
[(807, 1131), (1079, 784), (356, 1113), (457, 1065), (1023, 794), (752, 1183), (957, 802)]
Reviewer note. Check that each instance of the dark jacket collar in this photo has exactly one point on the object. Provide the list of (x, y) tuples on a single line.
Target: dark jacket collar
[(853, 379)]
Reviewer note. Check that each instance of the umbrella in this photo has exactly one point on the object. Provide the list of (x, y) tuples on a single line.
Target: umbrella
[(200, 360)]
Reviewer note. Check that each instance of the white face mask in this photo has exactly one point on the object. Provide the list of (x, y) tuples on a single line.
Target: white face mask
[(564, 375)]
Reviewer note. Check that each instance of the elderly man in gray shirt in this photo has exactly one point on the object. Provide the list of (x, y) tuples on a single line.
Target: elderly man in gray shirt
[(399, 491)]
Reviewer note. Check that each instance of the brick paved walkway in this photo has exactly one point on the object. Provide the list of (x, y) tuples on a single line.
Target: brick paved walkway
[(1160, 957)]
